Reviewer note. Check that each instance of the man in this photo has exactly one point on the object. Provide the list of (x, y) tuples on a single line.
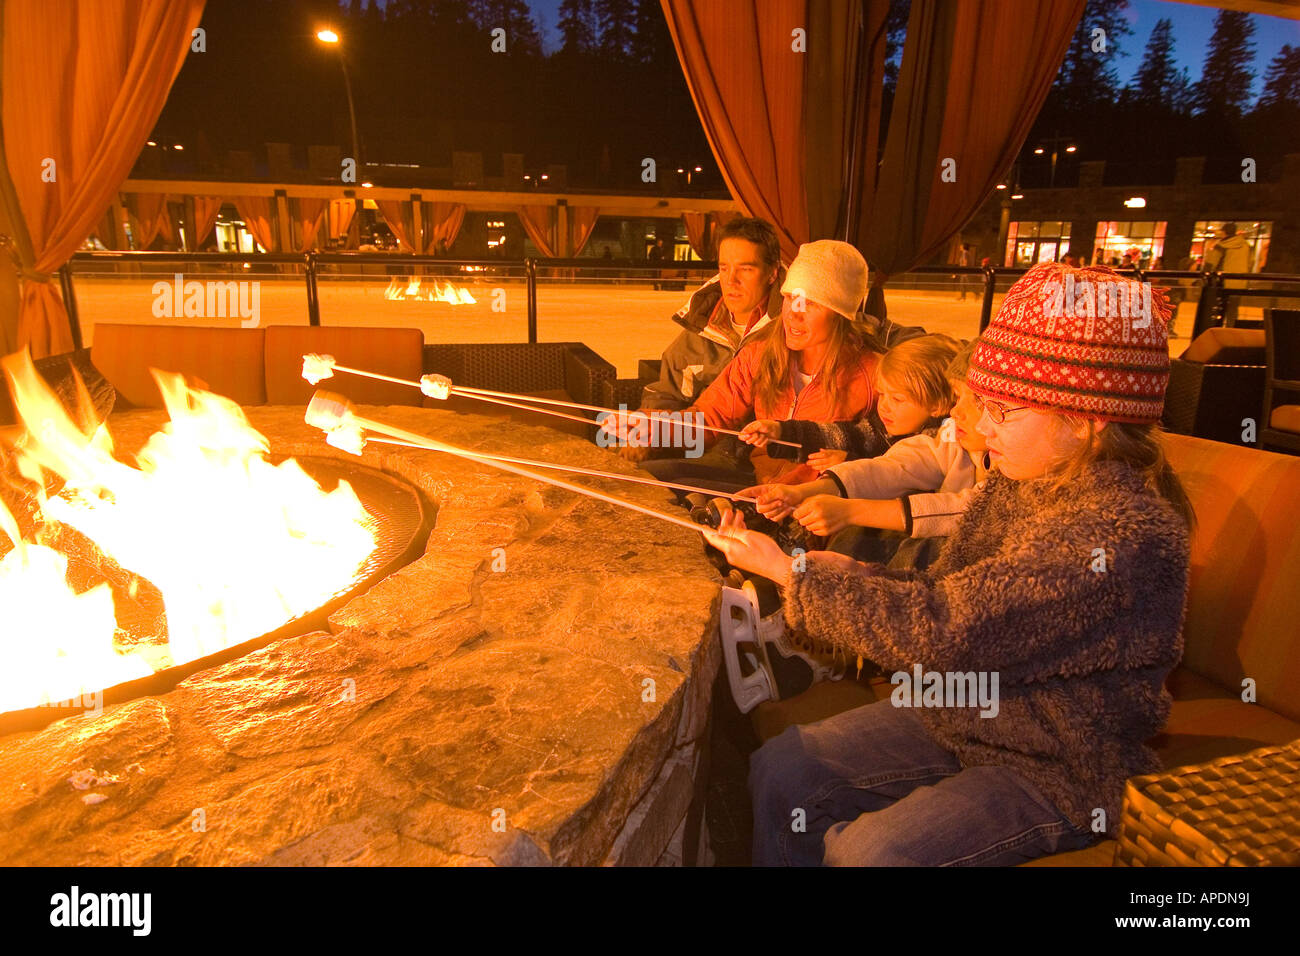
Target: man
[(1230, 254), (721, 315)]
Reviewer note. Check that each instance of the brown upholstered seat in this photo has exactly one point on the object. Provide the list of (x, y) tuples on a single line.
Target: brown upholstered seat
[(395, 352), (226, 361), (1285, 418)]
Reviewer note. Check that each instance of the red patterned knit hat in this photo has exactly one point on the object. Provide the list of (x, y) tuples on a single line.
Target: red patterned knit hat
[(1088, 341)]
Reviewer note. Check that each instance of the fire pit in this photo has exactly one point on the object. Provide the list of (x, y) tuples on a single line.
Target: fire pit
[(533, 688)]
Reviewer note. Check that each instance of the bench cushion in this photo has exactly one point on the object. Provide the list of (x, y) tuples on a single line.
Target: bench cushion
[(389, 351), (225, 361), (1244, 603)]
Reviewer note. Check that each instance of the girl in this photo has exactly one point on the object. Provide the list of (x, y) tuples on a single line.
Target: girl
[(1062, 589)]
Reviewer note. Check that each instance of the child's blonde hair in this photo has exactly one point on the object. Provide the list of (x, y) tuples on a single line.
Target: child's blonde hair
[(960, 363), (919, 367)]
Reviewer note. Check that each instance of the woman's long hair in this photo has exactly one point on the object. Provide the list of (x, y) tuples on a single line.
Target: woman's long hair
[(848, 342)]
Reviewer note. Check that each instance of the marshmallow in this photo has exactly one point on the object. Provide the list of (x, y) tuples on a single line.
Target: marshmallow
[(328, 411), (347, 437), (316, 367), (435, 386)]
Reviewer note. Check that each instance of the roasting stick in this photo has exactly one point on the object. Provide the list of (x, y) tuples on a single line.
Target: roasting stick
[(317, 367), (328, 411), (635, 479)]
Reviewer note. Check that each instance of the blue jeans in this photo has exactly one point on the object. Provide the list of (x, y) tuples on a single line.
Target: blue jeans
[(875, 790)]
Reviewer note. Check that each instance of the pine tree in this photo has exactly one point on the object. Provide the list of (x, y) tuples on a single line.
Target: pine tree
[(1087, 76), (653, 43), (1226, 79), (1282, 80), (617, 27), (895, 35), (577, 27), (1155, 85)]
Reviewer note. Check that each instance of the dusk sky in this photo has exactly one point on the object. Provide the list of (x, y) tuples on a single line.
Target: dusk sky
[(1192, 28)]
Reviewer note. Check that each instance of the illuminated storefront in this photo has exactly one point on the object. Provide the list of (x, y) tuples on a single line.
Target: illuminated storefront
[(1032, 242), (1143, 242)]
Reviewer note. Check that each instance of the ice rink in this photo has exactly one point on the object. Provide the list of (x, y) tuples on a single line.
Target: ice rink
[(622, 320)]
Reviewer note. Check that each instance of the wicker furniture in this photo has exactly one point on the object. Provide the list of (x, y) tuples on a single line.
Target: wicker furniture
[(1242, 810), (1280, 426), (1215, 384)]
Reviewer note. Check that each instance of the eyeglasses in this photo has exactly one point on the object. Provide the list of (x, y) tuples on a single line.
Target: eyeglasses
[(996, 411)]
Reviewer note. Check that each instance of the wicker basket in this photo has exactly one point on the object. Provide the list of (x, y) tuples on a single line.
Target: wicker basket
[(1242, 810)]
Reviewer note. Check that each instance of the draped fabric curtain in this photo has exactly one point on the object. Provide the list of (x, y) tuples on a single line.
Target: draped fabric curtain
[(153, 217), (796, 134), (83, 86), (539, 223), (697, 232), (395, 213), (582, 220), (442, 224), (309, 216), (341, 213), (206, 211), (747, 82), (951, 105), (257, 216)]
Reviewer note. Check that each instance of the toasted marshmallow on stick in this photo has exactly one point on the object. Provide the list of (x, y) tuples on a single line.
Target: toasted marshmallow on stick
[(328, 411), (317, 367), (435, 386), (349, 438)]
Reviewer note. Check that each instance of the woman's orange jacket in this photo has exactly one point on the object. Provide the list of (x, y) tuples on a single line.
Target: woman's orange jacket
[(730, 401)]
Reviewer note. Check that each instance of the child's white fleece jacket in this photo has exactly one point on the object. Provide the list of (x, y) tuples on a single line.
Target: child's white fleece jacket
[(935, 479)]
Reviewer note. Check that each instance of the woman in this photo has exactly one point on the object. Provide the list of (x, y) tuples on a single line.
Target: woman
[(1062, 589), (816, 364)]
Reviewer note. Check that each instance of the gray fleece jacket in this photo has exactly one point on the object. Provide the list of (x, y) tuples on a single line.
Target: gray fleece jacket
[(1081, 654)]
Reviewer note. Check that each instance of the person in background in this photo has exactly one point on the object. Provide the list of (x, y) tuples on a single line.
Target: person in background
[(1067, 578), (1230, 254)]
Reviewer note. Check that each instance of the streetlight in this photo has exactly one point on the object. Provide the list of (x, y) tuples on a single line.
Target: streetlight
[(330, 37), (1055, 142)]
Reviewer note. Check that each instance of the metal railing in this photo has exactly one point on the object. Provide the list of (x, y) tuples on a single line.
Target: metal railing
[(1214, 292)]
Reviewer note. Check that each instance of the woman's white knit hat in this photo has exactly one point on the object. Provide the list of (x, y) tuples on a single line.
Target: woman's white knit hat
[(830, 273)]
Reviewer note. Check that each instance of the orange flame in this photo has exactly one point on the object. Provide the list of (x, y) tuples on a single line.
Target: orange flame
[(236, 546)]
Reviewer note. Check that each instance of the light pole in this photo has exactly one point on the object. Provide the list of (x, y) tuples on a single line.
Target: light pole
[(330, 37), (1055, 142)]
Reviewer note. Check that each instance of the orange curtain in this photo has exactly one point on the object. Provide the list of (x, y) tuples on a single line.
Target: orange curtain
[(748, 87), (83, 86), (539, 224), (442, 224), (153, 218), (696, 232), (951, 105), (702, 231), (257, 216), (310, 216), (582, 220), (206, 211), (341, 213), (394, 213)]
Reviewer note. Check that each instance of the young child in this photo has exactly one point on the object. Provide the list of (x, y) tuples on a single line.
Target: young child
[(918, 488), (1063, 588), (913, 394)]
